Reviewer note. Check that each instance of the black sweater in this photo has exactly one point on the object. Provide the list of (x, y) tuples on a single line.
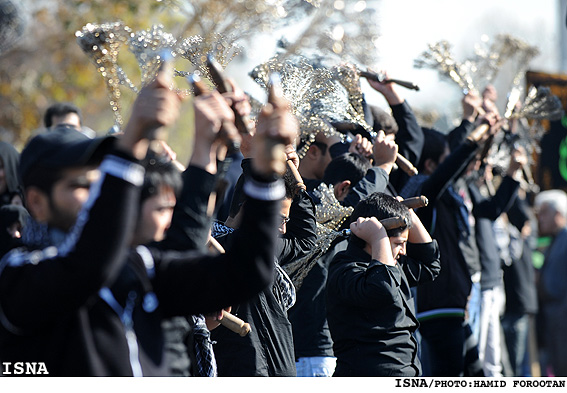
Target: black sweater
[(86, 309), (370, 310)]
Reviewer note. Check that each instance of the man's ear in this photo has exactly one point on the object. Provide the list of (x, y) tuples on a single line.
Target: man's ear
[(430, 165), (37, 203), (341, 189), (313, 152)]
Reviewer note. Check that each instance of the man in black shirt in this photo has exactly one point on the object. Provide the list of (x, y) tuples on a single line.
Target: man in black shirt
[(369, 303)]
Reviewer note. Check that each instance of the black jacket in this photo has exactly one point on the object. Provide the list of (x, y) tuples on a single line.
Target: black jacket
[(409, 139), (451, 289), (268, 349), (308, 316), (485, 211), (370, 310), (89, 306)]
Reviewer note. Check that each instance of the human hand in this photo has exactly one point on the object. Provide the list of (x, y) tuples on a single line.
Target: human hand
[(277, 127), (388, 90), (471, 103), (385, 151), (371, 231), (291, 155), (212, 113), (156, 106), (362, 146), (518, 159), (213, 319)]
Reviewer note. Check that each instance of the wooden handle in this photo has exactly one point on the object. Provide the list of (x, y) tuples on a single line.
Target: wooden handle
[(232, 145), (393, 222), (299, 185), (405, 165), (378, 78), (388, 223), (222, 85), (415, 202), (234, 323), (213, 244), (230, 321), (406, 84), (477, 134)]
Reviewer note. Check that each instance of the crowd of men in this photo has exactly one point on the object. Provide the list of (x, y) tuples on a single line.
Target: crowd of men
[(119, 261)]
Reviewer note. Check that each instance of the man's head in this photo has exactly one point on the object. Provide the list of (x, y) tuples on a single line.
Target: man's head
[(57, 169), (383, 206), (317, 157), (344, 172), (382, 120), (63, 113), (551, 210), (162, 185), (435, 150)]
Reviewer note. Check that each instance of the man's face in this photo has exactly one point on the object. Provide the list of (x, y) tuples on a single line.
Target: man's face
[(70, 118), (284, 215), (68, 196), (155, 216), (547, 220), (398, 244)]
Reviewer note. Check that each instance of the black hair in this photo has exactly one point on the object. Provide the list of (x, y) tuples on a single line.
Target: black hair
[(433, 147), (348, 166), (42, 178), (320, 145), (60, 109), (382, 206), (382, 120), (160, 171)]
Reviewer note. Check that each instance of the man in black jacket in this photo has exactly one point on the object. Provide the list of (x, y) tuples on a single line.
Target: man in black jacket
[(268, 349), (369, 303), (72, 301), (312, 340)]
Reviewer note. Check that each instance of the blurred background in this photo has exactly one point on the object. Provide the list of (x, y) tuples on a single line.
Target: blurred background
[(41, 62)]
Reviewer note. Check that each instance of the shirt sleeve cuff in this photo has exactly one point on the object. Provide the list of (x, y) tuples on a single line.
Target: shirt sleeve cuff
[(123, 169), (264, 191)]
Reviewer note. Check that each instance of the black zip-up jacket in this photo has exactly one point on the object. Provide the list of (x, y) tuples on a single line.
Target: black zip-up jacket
[(86, 308), (309, 314), (268, 350), (370, 310), (452, 287)]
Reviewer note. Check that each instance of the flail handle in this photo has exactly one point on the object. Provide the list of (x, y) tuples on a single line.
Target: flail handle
[(235, 324), (299, 185), (232, 145), (416, 202), (478, 133), (405, 165), (393, 222), (380, 79), (222, 85)]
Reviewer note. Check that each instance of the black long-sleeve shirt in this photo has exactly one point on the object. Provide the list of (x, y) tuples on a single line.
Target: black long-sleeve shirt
[(268, 350), (84, 309), (370, 310), (410, 140)]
